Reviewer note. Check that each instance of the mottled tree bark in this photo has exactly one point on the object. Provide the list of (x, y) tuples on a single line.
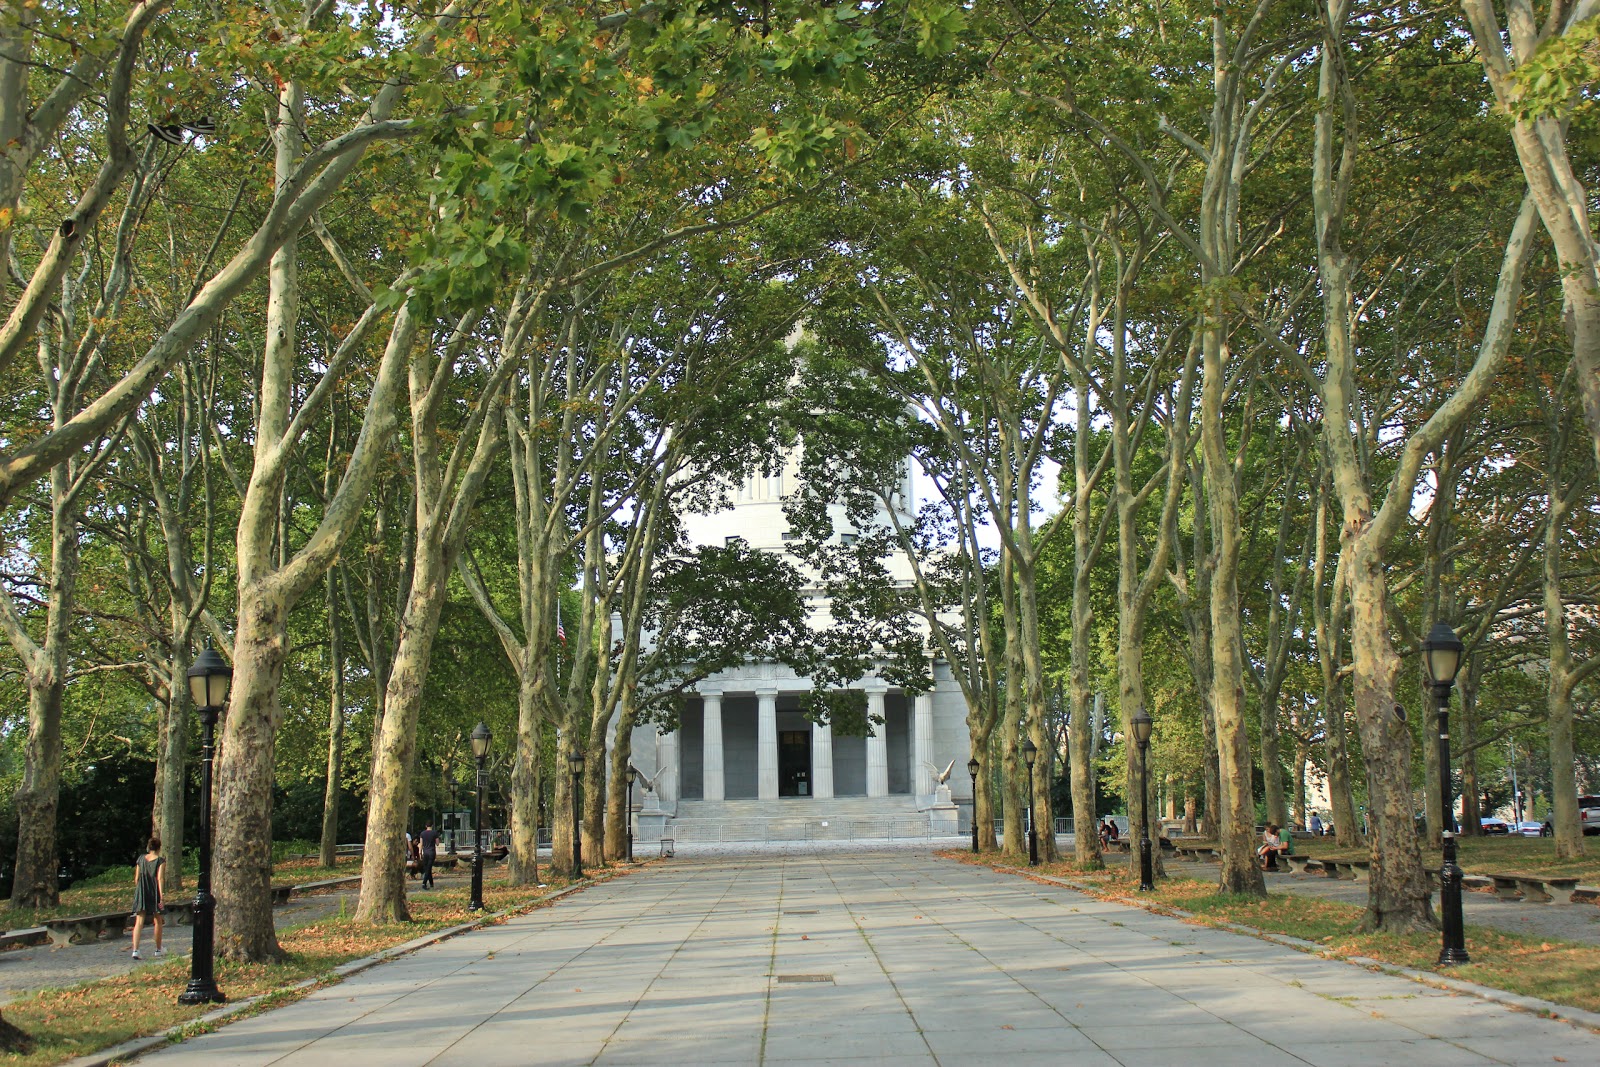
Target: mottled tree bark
[(328, 851)]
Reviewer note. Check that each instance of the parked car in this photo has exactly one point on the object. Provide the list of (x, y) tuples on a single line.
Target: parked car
[(1492, 825), (1530, 829), (1589, 814)]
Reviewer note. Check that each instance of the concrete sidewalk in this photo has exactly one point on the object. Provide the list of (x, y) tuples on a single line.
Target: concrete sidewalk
[(891, 958)]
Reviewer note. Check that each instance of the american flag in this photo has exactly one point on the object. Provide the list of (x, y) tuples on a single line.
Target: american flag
[(561, 631)]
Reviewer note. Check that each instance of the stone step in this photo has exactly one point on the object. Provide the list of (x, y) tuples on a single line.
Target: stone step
[(797, 807), (848, 828)]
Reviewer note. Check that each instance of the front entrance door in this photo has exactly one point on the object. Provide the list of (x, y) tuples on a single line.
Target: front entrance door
[(794, 763)]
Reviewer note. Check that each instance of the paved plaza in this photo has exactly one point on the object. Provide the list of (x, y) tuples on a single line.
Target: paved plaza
[(885, 958)]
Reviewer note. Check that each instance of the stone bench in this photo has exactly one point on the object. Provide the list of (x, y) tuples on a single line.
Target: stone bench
[(1585, 894), (352, 882), (1301, 864), (33, 935), (1531, 887), (74, 929), (181, 912), (1194, 851), (1346, 870)]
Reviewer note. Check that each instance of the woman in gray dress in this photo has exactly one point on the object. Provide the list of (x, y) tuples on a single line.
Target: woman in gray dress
[(147, 895)]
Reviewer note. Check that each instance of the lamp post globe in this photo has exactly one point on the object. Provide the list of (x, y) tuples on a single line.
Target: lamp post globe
[(1030, 752), (972, 769), (575, 762), (1441, 657), (1143, 725), (480, 752), (209, 680)]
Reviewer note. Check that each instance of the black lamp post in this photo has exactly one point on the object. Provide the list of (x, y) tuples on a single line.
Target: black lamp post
[(633, 776), (209, 680), (480, 753), (972, 769), (1030, 752), (1142, 725), (1441, 655), (575, 765)]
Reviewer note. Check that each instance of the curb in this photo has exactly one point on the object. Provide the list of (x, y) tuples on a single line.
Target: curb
[(135, 1047), (1566, 1013)]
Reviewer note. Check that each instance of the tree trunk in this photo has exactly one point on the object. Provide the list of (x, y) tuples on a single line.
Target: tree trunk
[(1397, 895), (1080, 725), (38, 795), (242, 847), (980, 730), (172, 778), (561, 807), (1558, 691), (523, 862), (331, 793), (1236, 832), (1467, 729), (1272, 759), (619, 814), (1033, 698), (594, 787)]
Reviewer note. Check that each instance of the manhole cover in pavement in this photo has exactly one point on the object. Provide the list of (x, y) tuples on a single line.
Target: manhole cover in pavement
[(784, 979)]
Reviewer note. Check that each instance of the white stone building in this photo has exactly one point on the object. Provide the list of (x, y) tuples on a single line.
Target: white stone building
[(745, 764)]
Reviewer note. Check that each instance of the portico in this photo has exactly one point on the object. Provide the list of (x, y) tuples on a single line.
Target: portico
[(754, 742)]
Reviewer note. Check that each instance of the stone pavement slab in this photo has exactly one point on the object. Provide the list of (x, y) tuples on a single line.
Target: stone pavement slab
[(881, 958)]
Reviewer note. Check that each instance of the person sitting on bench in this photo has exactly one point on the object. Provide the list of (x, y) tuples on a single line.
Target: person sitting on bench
[(1271, 845)]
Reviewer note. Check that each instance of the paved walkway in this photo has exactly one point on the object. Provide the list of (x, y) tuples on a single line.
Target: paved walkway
[(893, 958)]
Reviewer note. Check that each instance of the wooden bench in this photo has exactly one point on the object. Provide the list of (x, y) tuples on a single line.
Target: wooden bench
[(76, 928), (1530, 888)]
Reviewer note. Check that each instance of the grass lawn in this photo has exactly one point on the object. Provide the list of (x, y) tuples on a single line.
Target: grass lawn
[(114, 890), (1486, 855), (65, 1023), (1560, 971)]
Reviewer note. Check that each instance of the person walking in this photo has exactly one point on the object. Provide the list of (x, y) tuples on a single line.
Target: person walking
[(430, 852), (147, 902), (1316, 825)]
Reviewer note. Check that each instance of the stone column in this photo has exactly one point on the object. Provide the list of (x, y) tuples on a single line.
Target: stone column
[(711, 762), (922, 769), (822, 761), (877, 746), (767, 744), (669, 770)]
